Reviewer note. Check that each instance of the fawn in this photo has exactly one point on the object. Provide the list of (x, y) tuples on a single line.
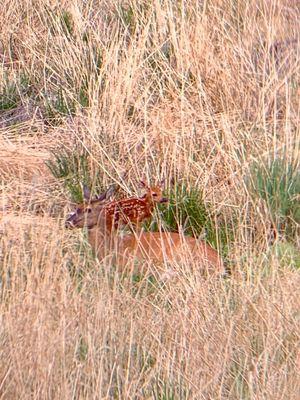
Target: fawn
[(156, 247), (134, 210)]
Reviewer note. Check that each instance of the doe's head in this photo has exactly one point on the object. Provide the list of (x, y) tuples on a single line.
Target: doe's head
[(88, 213), (85, 215), (154, 193)]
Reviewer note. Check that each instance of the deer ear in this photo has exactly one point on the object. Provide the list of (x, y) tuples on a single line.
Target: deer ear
[(143, 184), (86, 193), (107, 194), (101, 196), (110, 191)]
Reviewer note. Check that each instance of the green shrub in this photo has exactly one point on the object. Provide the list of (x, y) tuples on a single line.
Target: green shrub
[(69, 89), (287, 254), (58, 106), (12, 90), (132, 16), (73, 168), (67, 23), (165, 390), (60, 21), (187, 212), (277, 183), (127, 16)]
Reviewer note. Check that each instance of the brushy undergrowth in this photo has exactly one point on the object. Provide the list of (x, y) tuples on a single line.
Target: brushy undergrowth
[(192, 92), (188, 213), (277, 183), (13, 90), (72, 168)]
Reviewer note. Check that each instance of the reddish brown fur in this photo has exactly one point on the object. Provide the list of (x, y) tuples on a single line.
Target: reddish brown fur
[(157, 247), (133, 210)]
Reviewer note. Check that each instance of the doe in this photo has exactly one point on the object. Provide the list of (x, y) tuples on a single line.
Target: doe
[(156, 247)]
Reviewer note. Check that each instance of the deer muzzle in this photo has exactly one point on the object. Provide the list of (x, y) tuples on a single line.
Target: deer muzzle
[(69, 223), (164, 200)]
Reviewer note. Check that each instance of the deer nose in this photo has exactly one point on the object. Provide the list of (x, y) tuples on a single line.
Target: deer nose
[(164, 200), (69, 224)]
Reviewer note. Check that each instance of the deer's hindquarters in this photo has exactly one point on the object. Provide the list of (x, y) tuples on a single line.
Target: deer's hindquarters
[(164, 247)]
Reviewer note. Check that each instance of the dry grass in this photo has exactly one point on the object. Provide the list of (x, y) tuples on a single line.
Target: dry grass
[(191, 91)]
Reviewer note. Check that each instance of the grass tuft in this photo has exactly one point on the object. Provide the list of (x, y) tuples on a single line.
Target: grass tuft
[(277, 183), (71, 167)]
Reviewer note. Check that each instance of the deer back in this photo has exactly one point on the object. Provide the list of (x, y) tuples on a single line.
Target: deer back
[(134, 209), (156, 247), (160, 247)]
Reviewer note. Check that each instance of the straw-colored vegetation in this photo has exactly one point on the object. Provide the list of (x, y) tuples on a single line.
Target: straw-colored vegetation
[(202, 93)]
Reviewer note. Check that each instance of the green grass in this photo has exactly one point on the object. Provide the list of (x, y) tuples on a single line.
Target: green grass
[(287, 255), (73, 169), (70, 91), (165, 390), (188, 213), (132, 16), (58, 106), (67, 23), (277, 183), (13, 89)]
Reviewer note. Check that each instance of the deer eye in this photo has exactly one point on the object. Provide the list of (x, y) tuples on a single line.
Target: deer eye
[(154, 194), (89, 210)]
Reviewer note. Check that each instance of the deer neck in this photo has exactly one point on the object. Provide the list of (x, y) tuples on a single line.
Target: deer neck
[(149, 202), (107, 242), (99, 239)]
